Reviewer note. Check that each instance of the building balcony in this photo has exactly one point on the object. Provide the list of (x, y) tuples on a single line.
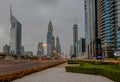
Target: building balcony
[(102, 25), (112, 37), (102, 30), (103, 36), (112, 29)]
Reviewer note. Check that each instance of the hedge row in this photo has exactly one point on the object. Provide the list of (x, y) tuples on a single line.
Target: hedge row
[(95, 62), (20, 74), (73, 61), (102, 62), (111, 74)]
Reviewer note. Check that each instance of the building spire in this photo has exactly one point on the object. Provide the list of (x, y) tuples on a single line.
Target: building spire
[(50, 26), (11, 13)]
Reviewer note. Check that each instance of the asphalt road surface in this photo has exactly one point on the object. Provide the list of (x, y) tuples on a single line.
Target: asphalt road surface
[(13, 66)]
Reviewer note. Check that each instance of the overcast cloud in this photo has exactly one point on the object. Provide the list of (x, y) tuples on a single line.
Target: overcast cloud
[(35, 15)]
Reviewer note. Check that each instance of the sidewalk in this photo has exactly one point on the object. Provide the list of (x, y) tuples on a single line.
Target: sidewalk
[(58, 74)]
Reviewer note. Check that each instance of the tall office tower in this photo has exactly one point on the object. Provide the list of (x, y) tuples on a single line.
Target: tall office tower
[(91, 30), (75, 40), (6, 49), (109, 22), (40, 51), (49, 40), (118, 24), (105, 23), (82, 46), (15, 35), (58, 46), (86, 27)]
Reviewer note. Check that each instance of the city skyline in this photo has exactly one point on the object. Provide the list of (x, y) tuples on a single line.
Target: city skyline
[(35, 16)]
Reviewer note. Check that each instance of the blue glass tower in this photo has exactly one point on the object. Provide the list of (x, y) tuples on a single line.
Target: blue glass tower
[(49, 40), (109, 23), (91, 29), (117, 23)]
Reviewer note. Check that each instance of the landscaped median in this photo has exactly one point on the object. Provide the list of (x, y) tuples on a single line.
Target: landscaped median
[(12, 76), (110, 71)]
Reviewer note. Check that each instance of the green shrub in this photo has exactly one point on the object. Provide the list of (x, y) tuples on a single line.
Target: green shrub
[(111, 54), (116, 67), (73, 61), (101, 62), (81, 64)]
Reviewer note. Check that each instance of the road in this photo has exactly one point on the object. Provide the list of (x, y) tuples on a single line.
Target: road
[(13, 66), (58, 74)]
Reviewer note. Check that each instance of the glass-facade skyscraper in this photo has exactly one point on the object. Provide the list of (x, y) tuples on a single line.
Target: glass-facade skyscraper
[(40, 51), (104, 18), (50, 40), (117, 4), (108, 22), (91, 30), (15, 35), (102, 21), (75, 40), (86, 25), (58, 46)]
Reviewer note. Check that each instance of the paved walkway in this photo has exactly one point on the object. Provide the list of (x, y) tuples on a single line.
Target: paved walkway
[(58, 74)]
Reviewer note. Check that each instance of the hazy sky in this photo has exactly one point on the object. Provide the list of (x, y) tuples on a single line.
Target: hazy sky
[(35, 15)]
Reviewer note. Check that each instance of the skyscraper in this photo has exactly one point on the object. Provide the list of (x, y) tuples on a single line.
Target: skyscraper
[(40, 51), (118, 25), (91, 29), (86, 25), (15, 35), (109, 23), (102, 24), (82, 46), (50, 40), (75, 39), (105, 24), (58, 46)]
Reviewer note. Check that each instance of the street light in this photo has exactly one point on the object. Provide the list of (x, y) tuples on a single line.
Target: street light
[(44, 44)]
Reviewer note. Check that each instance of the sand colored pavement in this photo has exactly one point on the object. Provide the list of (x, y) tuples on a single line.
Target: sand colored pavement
[(58, 74)]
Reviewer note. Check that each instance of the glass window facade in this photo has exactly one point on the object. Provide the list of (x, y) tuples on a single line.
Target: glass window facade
[(107, 22), (118, 23)]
